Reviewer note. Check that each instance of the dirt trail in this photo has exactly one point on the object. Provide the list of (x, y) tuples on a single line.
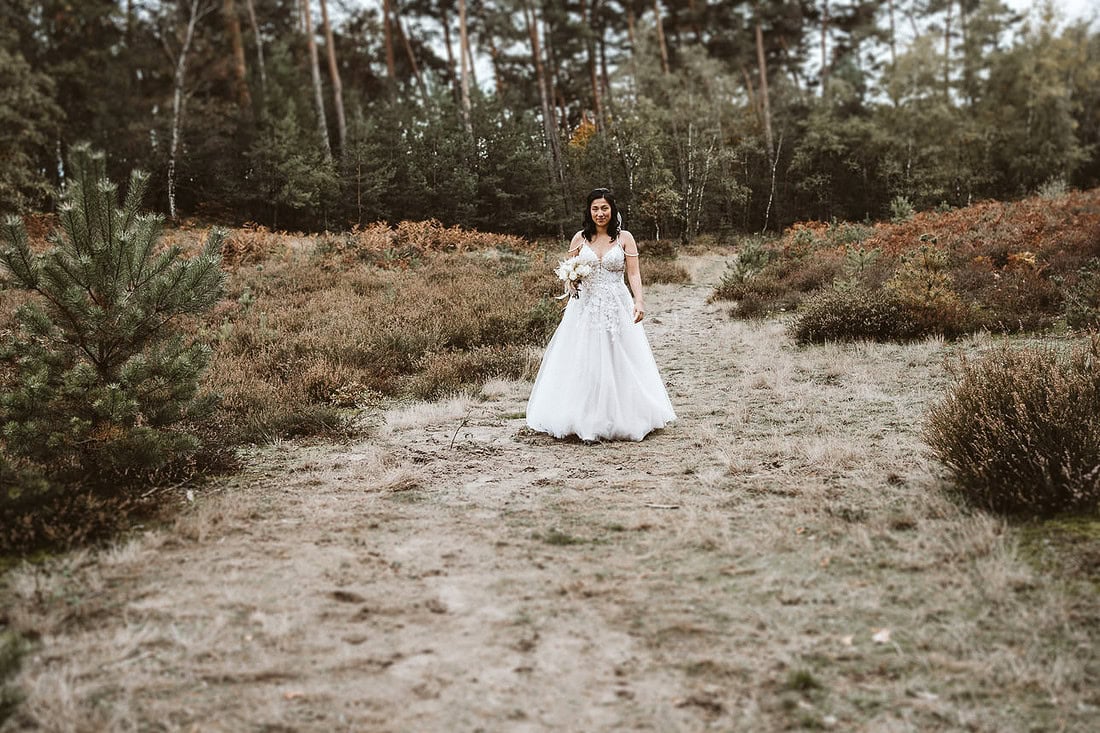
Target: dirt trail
[(777, 559)]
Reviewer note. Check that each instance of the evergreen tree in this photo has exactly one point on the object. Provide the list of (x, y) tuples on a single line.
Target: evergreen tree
[(28, 117), (99, 375)]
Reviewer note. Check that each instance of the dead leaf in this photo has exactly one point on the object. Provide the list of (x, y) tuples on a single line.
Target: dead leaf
[(881, 636)]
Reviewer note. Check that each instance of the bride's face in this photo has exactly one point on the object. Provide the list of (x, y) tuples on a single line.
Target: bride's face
[(601, 212)]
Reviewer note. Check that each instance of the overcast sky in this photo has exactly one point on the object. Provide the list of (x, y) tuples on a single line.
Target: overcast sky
[(1072, 9)]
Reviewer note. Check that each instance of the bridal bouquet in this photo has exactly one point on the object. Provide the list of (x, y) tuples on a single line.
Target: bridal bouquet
[(572, 273)]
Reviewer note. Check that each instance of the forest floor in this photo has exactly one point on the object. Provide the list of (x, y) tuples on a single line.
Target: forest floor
[(781, 558)]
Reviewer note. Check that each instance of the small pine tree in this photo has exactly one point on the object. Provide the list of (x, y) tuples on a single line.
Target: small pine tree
[(99, 372)]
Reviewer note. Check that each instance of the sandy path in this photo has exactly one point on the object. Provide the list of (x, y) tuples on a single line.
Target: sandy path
[(778, 559)]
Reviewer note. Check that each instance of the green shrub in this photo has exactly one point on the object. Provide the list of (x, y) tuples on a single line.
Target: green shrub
[(1082, 298), (901, 210), (741, 272), (1019, 431), (99, 378), (849, 314), (12, 650)]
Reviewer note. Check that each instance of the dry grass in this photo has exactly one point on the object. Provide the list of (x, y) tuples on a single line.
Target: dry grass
[(779, 559), (306, 336), (1002, 267)]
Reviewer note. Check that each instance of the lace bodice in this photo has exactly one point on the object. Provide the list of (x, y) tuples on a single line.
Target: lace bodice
[(614, 259), (602, 294)]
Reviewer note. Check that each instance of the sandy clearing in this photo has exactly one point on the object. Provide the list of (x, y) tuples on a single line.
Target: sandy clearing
[(778, 559)]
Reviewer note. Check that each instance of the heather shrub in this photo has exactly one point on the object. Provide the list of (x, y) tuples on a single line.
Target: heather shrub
[(1020, 299), (251, 245), (664, 271), (850, 314), (662, 249), (314, 345), (1082, 298), (12, 650), (449, 372), (1019, 431), (923, 287), (1005, 267)]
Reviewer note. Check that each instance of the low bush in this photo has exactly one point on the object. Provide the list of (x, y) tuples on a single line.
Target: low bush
[(1019, 431), (851, 314), (446, 373), (1082, 297), (1005, 267), (664, 271), (12, 650), (302, 346), (661, 249)]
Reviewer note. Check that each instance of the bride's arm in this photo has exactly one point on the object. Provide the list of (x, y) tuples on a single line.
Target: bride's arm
[(576, 244), (633, 274)]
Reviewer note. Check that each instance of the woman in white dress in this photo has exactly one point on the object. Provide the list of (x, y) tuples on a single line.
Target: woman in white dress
[(598, 379)]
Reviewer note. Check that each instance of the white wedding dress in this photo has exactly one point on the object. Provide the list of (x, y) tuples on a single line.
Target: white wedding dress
[(598, 379)]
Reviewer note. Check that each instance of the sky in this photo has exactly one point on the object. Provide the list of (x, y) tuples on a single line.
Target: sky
[(1072, 9)]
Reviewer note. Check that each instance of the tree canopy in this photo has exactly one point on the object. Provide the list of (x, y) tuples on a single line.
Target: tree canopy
[(703, 115)]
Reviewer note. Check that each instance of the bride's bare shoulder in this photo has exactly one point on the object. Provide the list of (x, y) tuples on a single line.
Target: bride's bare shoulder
[(629, 245), (577, 241)]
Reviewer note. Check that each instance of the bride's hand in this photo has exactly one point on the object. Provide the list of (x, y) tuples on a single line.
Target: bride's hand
[(639, 312)]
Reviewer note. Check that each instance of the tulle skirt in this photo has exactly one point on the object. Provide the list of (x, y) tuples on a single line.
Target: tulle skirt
[(598, 379)]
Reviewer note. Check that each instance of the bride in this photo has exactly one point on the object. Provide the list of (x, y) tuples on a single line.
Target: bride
[(598, 379)]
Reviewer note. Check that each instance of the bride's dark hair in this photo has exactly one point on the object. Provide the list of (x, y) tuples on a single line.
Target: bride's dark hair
[(614, 224)]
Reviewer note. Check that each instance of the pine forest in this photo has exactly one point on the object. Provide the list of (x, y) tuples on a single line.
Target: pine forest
[(706, 116)]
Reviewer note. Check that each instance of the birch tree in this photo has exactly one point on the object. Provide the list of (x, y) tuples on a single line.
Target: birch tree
[(177, 36)]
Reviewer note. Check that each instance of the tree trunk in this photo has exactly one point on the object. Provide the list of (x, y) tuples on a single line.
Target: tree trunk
[(766, 111), (824, 49), (452, 66), (947, 52), (240, 71), (696, 29), (661, 36), (765, 106), (549, 123), (464, 53), (893, 34), (605, 79), (259, 45), (400, 27), (196, 10), (315, 73), (631, 37), (590, 48), (470, 61), (494, 58), (387, 34), (552, 78), (334, 74)]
